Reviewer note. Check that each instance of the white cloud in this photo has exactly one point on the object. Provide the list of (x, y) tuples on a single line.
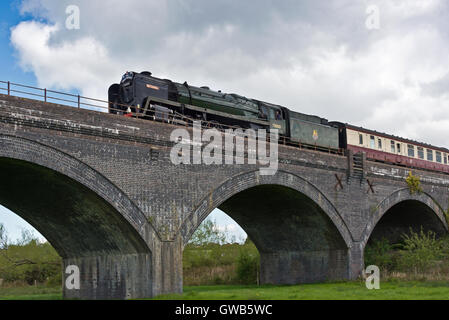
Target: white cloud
[(314, 57), (83, 64)]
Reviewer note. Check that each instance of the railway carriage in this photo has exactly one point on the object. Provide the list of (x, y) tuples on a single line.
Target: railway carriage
[(392, 149)]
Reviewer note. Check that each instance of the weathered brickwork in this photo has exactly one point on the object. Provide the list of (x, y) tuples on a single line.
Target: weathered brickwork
[(310, 221)]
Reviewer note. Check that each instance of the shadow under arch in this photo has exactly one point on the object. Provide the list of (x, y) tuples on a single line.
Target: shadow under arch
[(298, 232), (400, 211), (68, 203)]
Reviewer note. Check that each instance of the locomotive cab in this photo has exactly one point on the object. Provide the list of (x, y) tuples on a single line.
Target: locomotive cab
[(274, 114)]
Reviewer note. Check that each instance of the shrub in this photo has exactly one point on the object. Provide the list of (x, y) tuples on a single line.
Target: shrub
[(248, 264), (381, 253), (414, 183), (55, 280), (421, 251), (27, 261)]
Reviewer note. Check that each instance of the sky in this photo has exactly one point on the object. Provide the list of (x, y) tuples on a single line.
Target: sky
[(379, 64)]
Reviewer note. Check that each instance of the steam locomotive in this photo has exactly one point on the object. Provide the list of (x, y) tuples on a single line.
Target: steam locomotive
[(143, 95)]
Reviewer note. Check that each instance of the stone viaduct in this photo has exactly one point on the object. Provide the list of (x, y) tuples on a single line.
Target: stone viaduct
[(102, 189)]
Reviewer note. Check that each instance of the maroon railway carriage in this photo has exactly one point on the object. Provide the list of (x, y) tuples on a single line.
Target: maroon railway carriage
[(391, 149)]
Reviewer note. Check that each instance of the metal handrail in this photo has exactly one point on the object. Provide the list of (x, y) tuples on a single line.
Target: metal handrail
[(81, 104)]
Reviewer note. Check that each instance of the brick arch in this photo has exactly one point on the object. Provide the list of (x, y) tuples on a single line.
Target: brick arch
[(396, 198), (248, 180), (38, 154)]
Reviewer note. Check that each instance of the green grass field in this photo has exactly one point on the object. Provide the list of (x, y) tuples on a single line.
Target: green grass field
[(30, 293), (393, 290), (328, 291)]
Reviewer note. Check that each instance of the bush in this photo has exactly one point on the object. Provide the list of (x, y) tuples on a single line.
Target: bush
[(381, 253), (414, 183), (421, 251), (221, 264), (248, 264), (55, 280), (27, 261)]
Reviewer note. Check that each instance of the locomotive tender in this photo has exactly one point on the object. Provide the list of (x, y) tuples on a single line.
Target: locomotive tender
[(147, 96)]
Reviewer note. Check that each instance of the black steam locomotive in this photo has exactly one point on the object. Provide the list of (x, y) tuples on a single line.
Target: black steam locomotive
[(144, 95)]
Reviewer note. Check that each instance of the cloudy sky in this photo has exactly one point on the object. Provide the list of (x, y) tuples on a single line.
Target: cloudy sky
[(324, 57)]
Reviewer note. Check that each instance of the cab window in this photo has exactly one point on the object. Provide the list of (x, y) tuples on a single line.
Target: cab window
[(276, 114)]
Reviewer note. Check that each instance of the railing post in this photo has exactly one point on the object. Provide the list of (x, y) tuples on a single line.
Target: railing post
[(45, 95), (79, 102), (9, 88)]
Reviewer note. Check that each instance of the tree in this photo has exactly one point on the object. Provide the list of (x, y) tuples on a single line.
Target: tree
[(207, 233), (28, 260)]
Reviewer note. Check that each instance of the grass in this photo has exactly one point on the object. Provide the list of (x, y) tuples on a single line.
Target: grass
[(30, 293), (394, 290), (390, 290)]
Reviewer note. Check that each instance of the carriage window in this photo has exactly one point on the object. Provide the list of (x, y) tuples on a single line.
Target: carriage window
[(399, 147), (421, 153), (411, 150), (445, 160), (360, 139), (379, 143), (393, 149), (438, 156), (373, 142), (429, 155)]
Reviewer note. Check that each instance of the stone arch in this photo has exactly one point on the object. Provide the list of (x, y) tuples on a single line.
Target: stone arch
[(63, 163), (299, 233), (401, 197), (239, 183), (89, 221)]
